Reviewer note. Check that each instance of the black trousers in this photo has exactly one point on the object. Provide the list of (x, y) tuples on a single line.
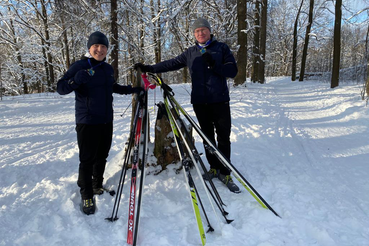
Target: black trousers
[(94, 142), (216, 118)]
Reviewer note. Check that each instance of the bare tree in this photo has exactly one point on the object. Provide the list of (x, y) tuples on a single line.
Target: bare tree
[(19, 56), (263, 38), (114, 38), (45, 40), (242, 42), (337, 45), (294, 48), (367, 65), (155, 17), (256, 44), (306, 43), (65, 43), (1, 83)]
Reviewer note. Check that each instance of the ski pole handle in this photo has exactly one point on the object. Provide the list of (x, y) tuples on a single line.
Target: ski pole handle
[(147, 82)]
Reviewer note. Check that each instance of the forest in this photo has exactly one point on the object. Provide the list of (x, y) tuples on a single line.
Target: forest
[(302, 39)]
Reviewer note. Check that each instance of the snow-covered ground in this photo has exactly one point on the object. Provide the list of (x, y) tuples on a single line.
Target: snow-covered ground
[(303, 146)]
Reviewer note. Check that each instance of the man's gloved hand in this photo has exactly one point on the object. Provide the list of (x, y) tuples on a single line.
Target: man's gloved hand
[(144, 68), (137, 90), (208, 59), (82, 77)]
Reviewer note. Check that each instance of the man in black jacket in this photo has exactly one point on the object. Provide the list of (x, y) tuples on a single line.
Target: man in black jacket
[(210, 63), (92, 80)]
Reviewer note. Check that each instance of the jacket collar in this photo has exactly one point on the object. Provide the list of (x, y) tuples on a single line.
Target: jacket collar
[(212, 40), (89, 56)]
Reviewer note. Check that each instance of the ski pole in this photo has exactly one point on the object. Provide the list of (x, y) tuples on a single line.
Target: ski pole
[(217, 152)]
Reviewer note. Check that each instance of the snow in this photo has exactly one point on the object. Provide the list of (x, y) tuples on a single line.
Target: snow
[(303, 146)]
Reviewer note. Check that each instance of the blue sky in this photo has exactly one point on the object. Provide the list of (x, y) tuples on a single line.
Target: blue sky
[(356, 6)]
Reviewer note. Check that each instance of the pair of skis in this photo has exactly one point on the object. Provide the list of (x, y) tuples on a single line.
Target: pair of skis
[(189, 155), (140, 125)]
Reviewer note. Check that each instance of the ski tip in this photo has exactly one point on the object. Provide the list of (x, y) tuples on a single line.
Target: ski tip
[(275, 213), (130, 240)]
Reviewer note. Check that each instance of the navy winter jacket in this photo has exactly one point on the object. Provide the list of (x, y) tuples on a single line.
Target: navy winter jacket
[(208, 85), (94, 99)]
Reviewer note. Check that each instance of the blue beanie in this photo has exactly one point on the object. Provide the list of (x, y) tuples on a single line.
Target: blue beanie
[(97, 38)]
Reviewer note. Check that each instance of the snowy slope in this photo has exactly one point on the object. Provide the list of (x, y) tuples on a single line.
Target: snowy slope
[(303, 146)]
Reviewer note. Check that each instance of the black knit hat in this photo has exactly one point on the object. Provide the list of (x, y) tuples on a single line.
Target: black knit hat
[(97, 38), (200, 22)]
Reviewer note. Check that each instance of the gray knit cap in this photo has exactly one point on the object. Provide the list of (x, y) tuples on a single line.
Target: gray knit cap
[(200, 22), (97, 38)]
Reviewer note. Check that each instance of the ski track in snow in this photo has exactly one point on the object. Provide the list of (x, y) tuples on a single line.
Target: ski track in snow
[(302, 146)]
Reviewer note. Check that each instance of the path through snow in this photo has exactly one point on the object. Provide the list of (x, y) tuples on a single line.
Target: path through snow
[(303, 146)]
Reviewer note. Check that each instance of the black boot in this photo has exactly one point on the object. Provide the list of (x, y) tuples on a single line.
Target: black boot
[(212, 173), (88, 206), (228, 181)]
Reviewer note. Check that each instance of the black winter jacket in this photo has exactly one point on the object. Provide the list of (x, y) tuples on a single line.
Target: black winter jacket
[(208, 85), (94, 99)]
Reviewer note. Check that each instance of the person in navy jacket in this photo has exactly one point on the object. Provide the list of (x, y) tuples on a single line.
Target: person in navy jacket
[(210, 63), (92, 80)]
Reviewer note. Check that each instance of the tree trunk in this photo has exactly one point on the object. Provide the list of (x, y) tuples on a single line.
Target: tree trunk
[(66, 46), (19, 57), (337, 45), (263, 36), (256, 46), (185, 74), (65, 51), (242, 42), (137, 81), (367, 62), (156, 32), (114, 38), (49, 59), (142, 27), (130, 56), (367, 81), (45, 63), (294, 48), (1, 83), (306, 44), (165, 150)]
